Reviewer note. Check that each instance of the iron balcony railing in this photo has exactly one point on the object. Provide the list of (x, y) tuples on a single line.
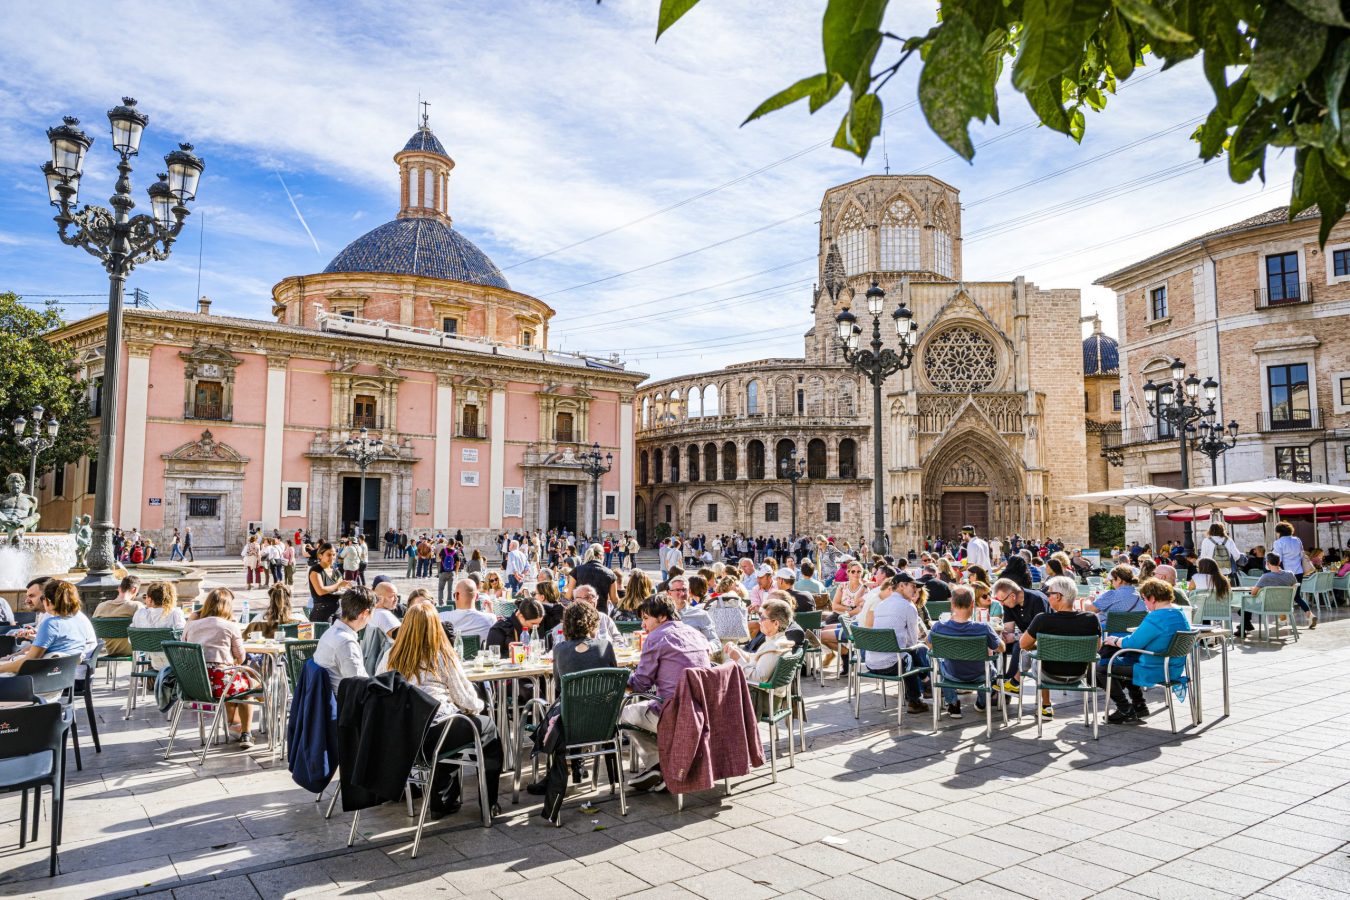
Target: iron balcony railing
[(1292, 420), (471, 430), (1293, 294)]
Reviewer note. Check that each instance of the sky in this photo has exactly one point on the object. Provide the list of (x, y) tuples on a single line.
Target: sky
[(604, 172)]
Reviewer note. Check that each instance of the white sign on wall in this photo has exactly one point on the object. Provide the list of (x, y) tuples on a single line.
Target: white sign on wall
[(468, 479), (513, 503), (468, 454)]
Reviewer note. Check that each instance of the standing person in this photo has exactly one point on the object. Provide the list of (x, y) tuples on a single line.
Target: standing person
[(223, 646), (446, 582), (977, 548), (176, 551), (350, 559), (250, 555), (410, 554), (595, 574), (324, 585), (1289, 549), (517, 566), (362, 559), (288, 563), (187, 545), (476, 564), (279, 548)]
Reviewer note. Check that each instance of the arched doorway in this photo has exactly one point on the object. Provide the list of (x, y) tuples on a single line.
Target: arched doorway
[(971, 479), (640, 520)]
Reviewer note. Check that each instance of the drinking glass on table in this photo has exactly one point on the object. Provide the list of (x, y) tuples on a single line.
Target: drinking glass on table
[(495, 655)]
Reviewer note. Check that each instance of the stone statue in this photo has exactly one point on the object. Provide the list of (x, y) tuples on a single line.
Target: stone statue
[(18, 511), (84, 536)]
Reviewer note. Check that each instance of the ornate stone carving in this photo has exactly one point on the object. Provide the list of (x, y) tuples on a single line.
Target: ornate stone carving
[(960, 360), (965, 472)]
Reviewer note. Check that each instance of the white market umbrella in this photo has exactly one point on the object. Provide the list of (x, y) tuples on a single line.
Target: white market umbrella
[(1271, 493), (1146, 495)]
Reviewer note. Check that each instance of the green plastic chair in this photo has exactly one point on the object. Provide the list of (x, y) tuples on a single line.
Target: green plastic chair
[(1066, 649), (1179, 648), (878, 640), (589, 704), (504, 609), (1269, 604), (1340, 587), (811, 622), (629, 627), (962, 648), (145, 640), (320, 628), (1317, 590), (471, 643), (937, 607), (295, 654), (194, 693), (1180, 597), (112, 629), (1207, 606), (779, 704), (1122, 622)]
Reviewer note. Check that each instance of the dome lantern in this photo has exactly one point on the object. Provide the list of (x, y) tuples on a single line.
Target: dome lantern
[(424, 173)]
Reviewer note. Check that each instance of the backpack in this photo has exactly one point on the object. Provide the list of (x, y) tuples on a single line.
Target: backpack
[(447, 562), (1222, 558)]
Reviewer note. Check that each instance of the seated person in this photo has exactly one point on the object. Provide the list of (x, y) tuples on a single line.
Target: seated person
[(124, 606), (1123, 596), (279, 612), (58, 634), (339, 650), (1274, 576), (161, 610), (808, 583), (1132, 672), (466, 618), (694, 617), (784, 579), (389, 611), (896, 611), (423, 656), (528, 616), (775, 617), (1064, 620), (671, 647), (962, 624), (584, 593), (223, 647)]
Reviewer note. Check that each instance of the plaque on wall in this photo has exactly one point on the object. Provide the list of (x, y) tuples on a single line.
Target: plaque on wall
[(468, 479), (513, 503), (468, 454), (423, 502)]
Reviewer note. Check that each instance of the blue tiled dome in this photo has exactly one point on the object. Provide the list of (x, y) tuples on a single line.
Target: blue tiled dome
[(1101, 355), (419, 246), (424, 140)]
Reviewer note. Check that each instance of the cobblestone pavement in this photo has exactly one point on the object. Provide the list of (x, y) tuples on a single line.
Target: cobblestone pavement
[(1254, 804)]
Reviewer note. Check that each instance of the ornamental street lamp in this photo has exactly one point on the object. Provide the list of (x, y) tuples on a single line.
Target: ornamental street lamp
[(1176, 402), (34, 441), (595, 465), (1215, 440), (120, 241), (362, 450), (794, 470), (877, 364)]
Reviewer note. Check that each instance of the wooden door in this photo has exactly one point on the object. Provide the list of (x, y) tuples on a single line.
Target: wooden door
[(960, 508)]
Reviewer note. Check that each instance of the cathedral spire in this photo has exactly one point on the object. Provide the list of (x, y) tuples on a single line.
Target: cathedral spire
[(424, 170)]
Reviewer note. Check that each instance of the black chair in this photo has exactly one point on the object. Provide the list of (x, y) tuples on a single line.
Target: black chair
[(25, 618), (32, 753), (84, 681), (7, 642), (53, 674)]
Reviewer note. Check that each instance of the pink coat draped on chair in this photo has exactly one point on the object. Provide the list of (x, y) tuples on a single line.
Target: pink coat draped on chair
[(708, 730)]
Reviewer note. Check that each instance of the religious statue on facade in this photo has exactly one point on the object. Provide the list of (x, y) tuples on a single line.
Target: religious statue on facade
[(84, 536), (18, 511)]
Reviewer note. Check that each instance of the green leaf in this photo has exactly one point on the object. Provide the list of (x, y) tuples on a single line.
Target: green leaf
[(1047, 102), (1316, 183), (1335, 82), (1212, 134), (1052, 39), (1158, 23), (1077, 125), (954, 86), (1119, 55), (805, 87), (850, 33), (825, 95), (1288, 49), (671, 12), (864, 122), (1327, 12)]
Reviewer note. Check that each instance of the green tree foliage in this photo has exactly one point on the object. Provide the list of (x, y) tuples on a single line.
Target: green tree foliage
[(36, 372), (1106, 531), (1289, 61)]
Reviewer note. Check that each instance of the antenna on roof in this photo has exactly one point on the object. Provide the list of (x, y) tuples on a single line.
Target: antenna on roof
[(885, 157)]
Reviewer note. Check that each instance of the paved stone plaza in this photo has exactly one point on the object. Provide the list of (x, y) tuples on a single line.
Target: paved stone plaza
[(1256, 804)]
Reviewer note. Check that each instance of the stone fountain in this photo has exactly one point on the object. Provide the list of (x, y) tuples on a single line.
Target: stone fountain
[(27, 553)]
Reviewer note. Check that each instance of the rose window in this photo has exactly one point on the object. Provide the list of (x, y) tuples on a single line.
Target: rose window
[(960, 361)]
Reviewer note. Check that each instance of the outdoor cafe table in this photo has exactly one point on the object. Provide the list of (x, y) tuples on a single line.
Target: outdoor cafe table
[(275, 689)]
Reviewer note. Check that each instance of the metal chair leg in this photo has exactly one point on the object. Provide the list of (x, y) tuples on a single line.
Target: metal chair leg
[(351, 835), (173, 727), (333, 802), (623, 781), (773, 752)]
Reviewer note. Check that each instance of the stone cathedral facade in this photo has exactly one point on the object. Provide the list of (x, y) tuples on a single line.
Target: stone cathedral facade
[(987, 426)]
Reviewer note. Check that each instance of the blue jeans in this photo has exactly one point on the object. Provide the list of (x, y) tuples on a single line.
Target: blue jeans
[(949, 694)]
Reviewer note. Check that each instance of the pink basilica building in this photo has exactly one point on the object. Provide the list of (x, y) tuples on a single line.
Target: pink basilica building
[(410, 332)]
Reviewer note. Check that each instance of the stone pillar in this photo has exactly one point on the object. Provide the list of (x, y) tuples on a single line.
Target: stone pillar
[(626, 464), (444, 425), (274, 433), (133, 435), (497, 464)]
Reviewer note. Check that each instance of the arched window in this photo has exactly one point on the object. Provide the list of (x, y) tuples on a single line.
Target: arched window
[(675, 411), (428, 190), (710, 462), (815, 459), (646, 412), (659, 408), (363, 410), (782, 456), (643, 470), (674, 465), (942, 243), (900, 228), (692, 465), (853, 241), (752, 398), (848, 458), (729, 461), (562, 428), (754, 463), (658, 466), (695, 402), (711, 407)]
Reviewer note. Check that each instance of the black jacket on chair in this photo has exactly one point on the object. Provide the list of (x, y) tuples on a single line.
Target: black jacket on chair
[(381, 723)]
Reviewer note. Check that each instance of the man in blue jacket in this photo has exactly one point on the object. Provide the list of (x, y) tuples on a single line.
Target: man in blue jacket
[(1132, 672)]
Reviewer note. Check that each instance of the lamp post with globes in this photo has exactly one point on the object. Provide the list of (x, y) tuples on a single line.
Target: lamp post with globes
[(595, 465), (34, 441), (362, 450), (793, 469), (1176, 402), (120, 241), (878, 364)]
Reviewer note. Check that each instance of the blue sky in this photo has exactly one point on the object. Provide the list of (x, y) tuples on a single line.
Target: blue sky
[(567, 121)]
